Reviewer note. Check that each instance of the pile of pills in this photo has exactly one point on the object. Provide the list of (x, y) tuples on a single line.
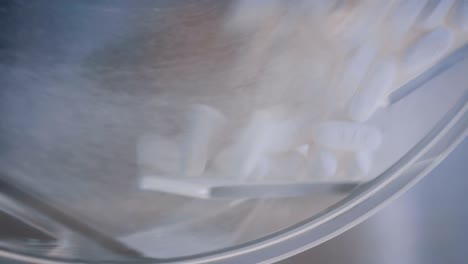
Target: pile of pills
[(380, 45)]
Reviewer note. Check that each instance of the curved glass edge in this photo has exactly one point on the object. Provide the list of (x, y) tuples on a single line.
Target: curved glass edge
[(358, 206), (364, 201)]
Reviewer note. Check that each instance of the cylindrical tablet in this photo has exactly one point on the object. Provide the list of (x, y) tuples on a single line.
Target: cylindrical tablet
[(359, 166), (366, 101), (328, 162), (205, 125), (303, 149), (264, 134), (356, 69), (322, 163)]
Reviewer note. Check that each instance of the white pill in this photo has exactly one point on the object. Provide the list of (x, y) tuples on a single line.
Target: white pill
[(262, 169), (405, 15), (303, 149), (356, 69), (359, 166), (204, 128), (427, 50), (437, 15), (328, 162), (460, 16), (322, 164), (285, 166), (347, 136), (367, 100), (287, 134), (265, 133)]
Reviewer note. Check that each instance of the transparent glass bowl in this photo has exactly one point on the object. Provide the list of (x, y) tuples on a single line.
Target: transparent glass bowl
[(60, 91)]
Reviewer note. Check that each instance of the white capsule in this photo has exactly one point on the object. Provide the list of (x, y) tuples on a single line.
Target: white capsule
[(264, 134), (460, 16), (367, 100), (347, 136), (328, 162), (437, 15), (427, 50), (262, 169), (204, 128), (287, 134), (359, 167), (303, 149), (285, 166), (322, 164), (405, 15), (356, 69)]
